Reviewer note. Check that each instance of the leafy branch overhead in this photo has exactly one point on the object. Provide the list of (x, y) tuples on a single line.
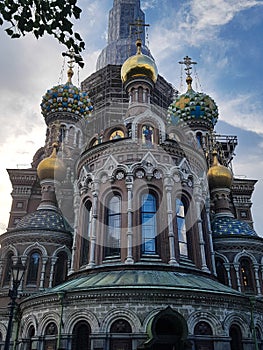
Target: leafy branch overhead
[(39, 17)]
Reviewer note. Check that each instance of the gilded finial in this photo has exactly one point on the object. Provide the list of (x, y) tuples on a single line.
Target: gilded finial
[(139, 46), (188, 69)]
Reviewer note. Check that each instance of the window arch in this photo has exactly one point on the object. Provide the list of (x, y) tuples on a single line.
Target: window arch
[(221, 271), (181, 227), (148, 223), (118, 341), (81, 336), (236, 338), (7, 274), (113, 227), (51, 332), (203, 340), (86, 233), (30, 335), (61, 268), (33, 268), (246, 275), (147, 134)]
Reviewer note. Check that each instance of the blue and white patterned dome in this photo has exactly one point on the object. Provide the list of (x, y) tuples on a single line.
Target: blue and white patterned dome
[(225, 225), (44, 219)]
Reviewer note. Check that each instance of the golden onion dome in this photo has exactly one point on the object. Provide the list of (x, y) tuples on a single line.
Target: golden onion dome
[(219, 176), (51, 167), (139, 65)]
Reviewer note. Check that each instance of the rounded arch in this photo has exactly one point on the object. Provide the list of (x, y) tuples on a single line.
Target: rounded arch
[(167, 327), (27, 322), (222, 257), (151, 119), (3, 330), (242, 320), (78, 316), (125, 314), (207, 317), (47, 318)]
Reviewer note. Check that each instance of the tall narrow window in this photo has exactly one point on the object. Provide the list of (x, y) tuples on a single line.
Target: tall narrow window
[(86, 234), (246, 275), (113, 232), (9, 262), (81, 336), (149, 227), (236, 338), (61, 268), (121, 335), (181, 227), (221, 272), (34, 261)]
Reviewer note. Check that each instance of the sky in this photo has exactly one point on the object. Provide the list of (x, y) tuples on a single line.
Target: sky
[(223, 36)]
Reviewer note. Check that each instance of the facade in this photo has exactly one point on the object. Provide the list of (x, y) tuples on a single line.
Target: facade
[(134, 232)]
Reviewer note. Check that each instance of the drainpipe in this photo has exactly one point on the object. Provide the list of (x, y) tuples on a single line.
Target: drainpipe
[(61, 297), (252, 301)]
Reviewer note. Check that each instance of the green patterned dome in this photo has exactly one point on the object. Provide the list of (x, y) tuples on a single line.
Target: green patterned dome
[(196, 109), (225, 225)]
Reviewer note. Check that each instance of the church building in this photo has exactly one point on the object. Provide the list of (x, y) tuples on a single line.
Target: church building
[(131, 228)]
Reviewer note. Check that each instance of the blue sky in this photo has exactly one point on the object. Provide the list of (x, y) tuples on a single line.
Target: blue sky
[(223, 36)]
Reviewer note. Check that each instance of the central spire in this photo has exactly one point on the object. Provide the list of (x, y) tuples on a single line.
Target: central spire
[(126, 19)]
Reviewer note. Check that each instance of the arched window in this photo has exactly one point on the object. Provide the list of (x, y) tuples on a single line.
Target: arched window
[(30, 335), (118, 340), (147, 135), (246, 275), (7, 274), (113, 231), (199, 138), (203, 331), (149, 224), (181, 227), (61, 268), (81, 336), (51, 332), (86, 233), (221, 272), (33, 268), (62, 133), (236, 338)]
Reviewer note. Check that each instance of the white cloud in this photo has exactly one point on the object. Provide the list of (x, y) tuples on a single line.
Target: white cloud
[(148, 4)]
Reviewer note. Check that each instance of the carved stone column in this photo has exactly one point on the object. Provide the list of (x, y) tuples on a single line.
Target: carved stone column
[(168, 186), (198, 203), (236, 266), (207, 210), (43, 270), (129, 186), (53, 262), (256, 268), (227, 267), (93, 232), (76, 205)]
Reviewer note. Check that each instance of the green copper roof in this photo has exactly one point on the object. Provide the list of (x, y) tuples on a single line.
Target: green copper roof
[(137, 279)]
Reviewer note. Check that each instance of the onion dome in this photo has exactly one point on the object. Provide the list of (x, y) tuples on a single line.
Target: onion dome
[(226, 225), (139, 65), (51, 167), (193, 108), (66, 98), (218, 175)]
